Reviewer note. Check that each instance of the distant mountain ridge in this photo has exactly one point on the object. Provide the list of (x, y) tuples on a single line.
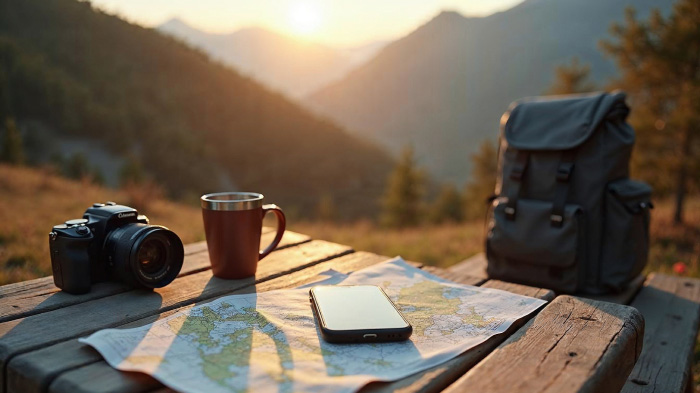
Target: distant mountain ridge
[(292, 66), (184, 120), (443, 87)]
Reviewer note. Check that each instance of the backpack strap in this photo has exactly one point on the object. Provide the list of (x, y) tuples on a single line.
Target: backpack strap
[(516, 175), (564, 171)]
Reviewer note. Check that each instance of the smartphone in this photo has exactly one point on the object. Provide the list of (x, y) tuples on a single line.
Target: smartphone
[(357, 313)]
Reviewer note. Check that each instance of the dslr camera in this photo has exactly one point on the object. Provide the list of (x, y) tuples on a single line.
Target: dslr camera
[(113, 243)]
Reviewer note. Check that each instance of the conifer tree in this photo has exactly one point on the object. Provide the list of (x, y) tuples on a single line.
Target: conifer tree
[(131, 172), (572, 78), (659, 62), (482, 181), (77, 167), (402, 198), (12, 149), (448, 206), (325, 210)]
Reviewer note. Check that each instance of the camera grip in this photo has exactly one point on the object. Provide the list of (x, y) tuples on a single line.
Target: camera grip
[(70, 263)]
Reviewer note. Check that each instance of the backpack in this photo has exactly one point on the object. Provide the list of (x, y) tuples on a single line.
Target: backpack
[(565, 214)]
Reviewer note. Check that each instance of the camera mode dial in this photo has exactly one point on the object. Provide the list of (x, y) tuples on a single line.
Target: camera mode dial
[(76, 222)]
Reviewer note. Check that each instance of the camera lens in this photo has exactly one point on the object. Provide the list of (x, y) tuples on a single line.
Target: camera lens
[(145, 255), (151, 257)]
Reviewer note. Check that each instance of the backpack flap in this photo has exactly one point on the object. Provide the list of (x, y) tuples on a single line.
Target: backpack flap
[(633, 195), (556, 123)]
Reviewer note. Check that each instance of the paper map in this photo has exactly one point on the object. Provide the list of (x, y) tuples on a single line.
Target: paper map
[(269, 341)]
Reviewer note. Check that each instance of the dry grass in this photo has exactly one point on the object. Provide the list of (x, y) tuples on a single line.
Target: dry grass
[(447, 244), (32, 201), (438, 245), (675, 243)]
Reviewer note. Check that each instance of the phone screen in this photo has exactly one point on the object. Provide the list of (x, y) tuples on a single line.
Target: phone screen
[(356, 307)]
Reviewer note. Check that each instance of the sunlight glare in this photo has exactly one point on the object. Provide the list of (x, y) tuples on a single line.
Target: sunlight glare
[(304, 18)]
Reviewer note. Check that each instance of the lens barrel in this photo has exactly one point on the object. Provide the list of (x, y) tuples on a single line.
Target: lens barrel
[(144, 255)]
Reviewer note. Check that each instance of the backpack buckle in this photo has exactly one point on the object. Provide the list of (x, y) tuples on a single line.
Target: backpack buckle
[(556, 220), (510, 213), (564, 171)]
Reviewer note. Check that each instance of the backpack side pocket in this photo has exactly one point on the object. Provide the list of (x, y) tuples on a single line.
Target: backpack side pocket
[(626, 233)]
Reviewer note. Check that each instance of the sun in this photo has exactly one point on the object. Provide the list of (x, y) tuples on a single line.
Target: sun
[(304, 18)]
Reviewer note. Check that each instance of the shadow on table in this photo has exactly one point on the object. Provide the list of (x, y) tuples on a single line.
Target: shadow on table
[(234, 344), (41, 331)]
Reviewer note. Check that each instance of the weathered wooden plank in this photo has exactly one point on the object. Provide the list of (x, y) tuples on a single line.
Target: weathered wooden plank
[(473, 267), (572, 345), (43, 284), (25, 334), (437, 378), (100, 377), (671, 309), (24, 288), (540, 293), (624, 297), (346, 264), (448, 275), (40, 295), (33, 371)]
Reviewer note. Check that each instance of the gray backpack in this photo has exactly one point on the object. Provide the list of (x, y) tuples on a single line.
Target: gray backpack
[(566, 216)]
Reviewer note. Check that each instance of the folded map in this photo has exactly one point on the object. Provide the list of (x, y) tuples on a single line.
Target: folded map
[(269, 341)]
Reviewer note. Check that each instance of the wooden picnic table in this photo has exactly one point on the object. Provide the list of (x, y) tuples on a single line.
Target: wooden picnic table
[(570, 344)]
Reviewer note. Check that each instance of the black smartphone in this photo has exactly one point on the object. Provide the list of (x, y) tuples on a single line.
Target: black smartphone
[(357, 313)]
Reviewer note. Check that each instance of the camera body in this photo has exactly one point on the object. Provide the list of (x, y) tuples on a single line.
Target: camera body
[(113, 243)]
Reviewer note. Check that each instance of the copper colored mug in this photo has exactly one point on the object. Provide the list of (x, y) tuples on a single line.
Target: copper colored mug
[(232, 224)]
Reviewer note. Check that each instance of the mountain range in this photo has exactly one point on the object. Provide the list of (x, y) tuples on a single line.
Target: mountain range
[(443, 87), (69, 71), (293, 66)]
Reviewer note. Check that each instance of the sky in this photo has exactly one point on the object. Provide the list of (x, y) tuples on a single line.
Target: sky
[(339, 23)]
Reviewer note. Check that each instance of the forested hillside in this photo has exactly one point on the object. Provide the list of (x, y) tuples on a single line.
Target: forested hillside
[(444, 87), (190, 123)]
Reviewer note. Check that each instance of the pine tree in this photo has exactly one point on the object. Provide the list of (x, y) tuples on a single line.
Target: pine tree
[(404, 192), (77, 167), (448, 206), (131, 173), (572, 78), (659, 60), (482, 181), (325, 210), (12, 149)]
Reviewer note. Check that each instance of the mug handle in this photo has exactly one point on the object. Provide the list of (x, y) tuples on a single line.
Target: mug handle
[(281, 224)]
